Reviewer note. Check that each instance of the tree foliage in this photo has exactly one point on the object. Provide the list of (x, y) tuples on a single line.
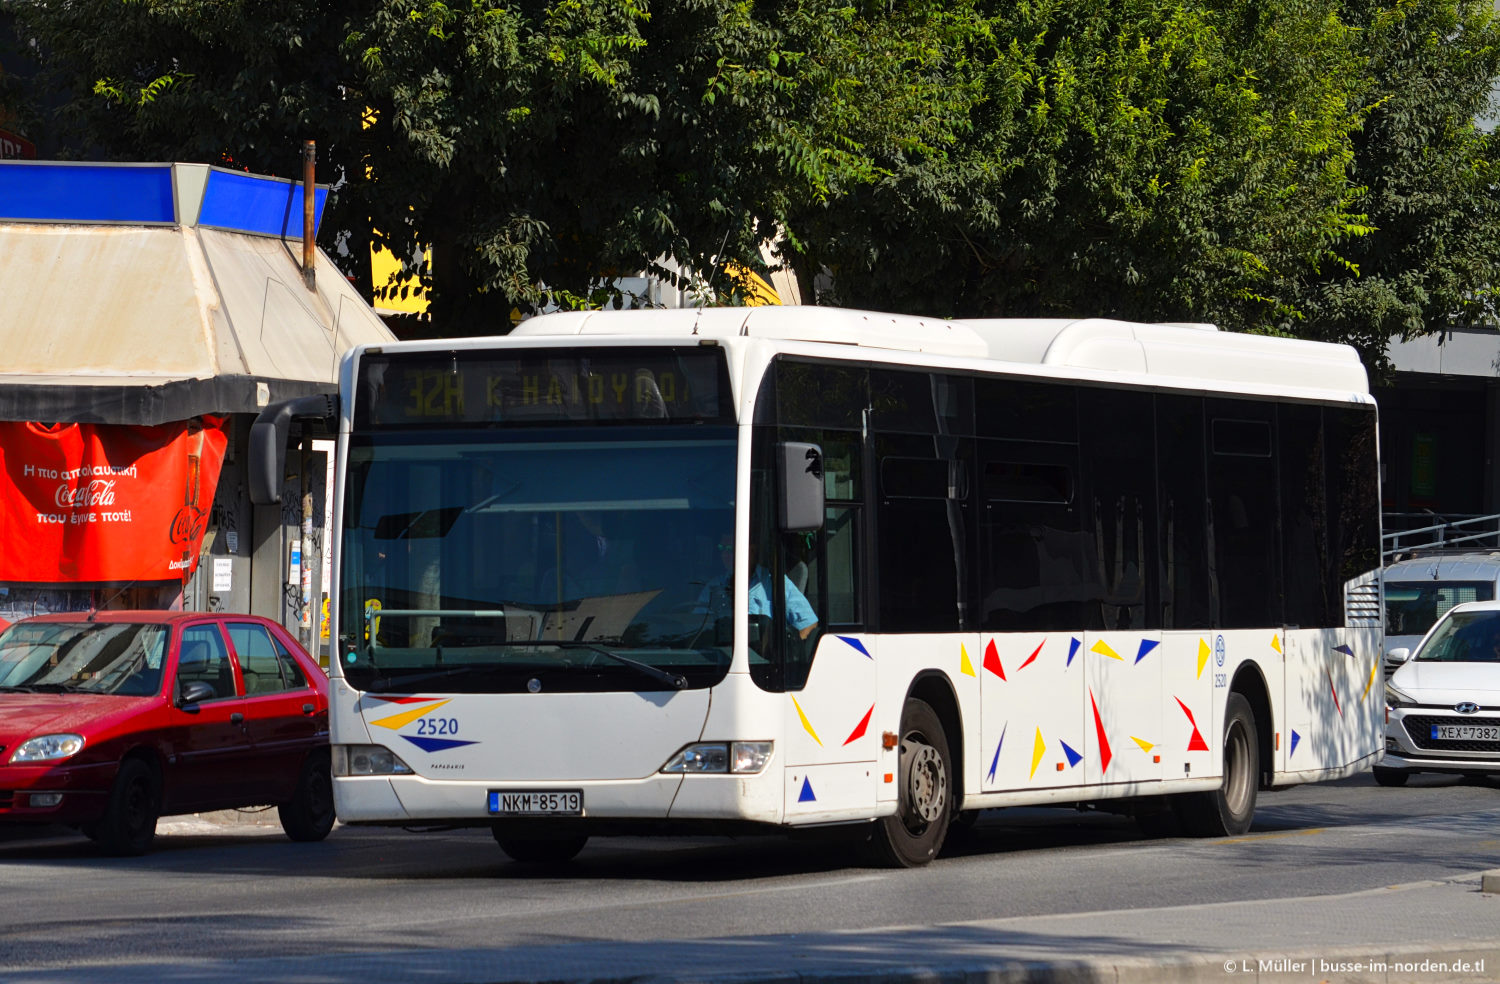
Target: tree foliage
[(1303, 167), (1292, 167), (1428, 179)]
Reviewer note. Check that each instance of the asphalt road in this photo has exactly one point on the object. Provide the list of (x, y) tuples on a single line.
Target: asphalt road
[(243, 893)]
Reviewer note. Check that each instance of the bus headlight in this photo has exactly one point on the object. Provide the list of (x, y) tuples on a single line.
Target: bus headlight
[(720, 757), (367, 760)]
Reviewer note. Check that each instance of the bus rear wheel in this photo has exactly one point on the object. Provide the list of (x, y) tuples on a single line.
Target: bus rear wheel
[(914, 834), (540, 850), (1228, 810)]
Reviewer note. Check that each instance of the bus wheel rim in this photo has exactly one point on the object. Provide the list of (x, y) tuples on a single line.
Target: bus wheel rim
[(927, 783)]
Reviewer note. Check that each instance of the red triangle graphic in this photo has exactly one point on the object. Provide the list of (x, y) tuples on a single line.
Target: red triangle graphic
[(1335, 691), (1104, 752), (859, 730), (1032, 656), (992, 660), (1195, 743)]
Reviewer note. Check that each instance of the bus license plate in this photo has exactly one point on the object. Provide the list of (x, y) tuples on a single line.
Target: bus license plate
[(1466, 732), (536, 802)]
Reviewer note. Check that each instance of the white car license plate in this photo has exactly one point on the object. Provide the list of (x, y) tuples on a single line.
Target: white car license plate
[(1466, 732), (536, 802)]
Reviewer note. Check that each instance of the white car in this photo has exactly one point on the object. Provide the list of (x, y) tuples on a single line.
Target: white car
[(1443, 700)]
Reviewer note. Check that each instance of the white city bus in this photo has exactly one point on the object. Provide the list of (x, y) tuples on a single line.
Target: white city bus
[(781, 568)]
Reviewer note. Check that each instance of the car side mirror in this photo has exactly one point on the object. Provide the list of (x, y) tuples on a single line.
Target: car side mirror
[(193, 693), (1397, 656)]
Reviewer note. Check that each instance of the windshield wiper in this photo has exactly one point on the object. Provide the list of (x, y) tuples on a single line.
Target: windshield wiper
[(46, 688), (392, 677), (674, 680)]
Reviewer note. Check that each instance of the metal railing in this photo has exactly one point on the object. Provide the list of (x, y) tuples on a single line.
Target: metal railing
[(1438, 533)]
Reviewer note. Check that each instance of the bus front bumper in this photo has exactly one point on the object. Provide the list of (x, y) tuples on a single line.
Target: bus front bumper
[(409, 799)]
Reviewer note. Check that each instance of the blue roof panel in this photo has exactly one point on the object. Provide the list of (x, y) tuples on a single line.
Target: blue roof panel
[(252, 203), (52, 192)]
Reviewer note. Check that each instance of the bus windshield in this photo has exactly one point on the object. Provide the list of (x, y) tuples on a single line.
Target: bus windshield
[(542, 559)]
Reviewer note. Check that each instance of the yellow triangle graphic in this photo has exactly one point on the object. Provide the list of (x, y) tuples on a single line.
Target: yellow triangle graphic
[(1371, 682), (1038, 749), (1276, 643), (806, 724), (1103, 650), (964, 666), (1202, 657), (1146, 746), (397, 721)]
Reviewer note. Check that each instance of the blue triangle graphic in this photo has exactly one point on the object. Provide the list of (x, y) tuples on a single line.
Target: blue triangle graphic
[(437, 744), (1146, 646), (1072, 648), (807, 793), (995, 762), (1073, 757), (1295, 738), (1343, 649), (857, 645)]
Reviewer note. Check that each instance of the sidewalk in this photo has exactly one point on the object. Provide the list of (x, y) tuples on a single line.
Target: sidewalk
[(1426, 932)]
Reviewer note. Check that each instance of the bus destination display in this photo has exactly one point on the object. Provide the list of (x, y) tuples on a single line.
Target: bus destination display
[(542, 386)]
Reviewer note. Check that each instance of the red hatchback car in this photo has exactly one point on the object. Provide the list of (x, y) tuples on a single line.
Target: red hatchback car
[(109, 720)]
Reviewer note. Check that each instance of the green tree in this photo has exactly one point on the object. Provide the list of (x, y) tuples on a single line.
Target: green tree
[(1147, 159), (1303, 167), (540, 148), (1428, 176)]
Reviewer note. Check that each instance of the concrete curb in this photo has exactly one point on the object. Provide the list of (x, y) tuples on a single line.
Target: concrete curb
[(710, 962)]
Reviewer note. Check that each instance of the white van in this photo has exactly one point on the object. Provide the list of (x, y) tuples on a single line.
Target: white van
[(1419, 589)]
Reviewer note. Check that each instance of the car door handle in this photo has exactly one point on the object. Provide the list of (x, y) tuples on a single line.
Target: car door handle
[(307, 709), (236, 718)]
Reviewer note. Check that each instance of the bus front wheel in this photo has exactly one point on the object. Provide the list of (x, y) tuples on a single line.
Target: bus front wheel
[(1228, 810), (914, 834)]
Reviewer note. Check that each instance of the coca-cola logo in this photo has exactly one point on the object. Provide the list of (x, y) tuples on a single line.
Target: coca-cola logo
[(188, 525), (96, 493)]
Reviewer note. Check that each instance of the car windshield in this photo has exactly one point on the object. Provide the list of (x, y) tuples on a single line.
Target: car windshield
[(1411, 607), (122, 658), (573, 559), (1464, 637)]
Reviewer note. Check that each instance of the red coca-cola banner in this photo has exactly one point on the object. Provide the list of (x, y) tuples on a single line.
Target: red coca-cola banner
[(100, 502)]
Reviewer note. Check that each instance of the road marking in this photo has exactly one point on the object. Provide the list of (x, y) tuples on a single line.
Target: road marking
[(1261, 837)]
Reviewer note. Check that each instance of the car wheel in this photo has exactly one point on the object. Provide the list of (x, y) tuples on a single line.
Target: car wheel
[(129, 823), (540, 850), (1391, 777), (914, 834), (308, 815), (1228, 810)]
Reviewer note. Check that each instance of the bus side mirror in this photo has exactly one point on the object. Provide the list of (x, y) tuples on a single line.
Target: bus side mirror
[(801, 500), (268, 434)]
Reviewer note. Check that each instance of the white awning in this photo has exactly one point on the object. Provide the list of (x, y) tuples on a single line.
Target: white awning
[(141, 323)]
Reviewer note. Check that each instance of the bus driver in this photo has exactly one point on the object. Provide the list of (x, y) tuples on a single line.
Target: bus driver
[(720, 591)]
